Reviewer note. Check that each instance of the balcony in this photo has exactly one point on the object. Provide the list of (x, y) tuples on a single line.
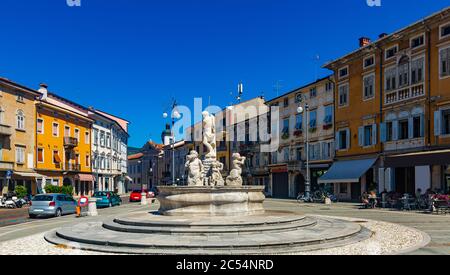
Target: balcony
[(4, 165), (70, 142), (72, 167), (405, 93), (5, 130)]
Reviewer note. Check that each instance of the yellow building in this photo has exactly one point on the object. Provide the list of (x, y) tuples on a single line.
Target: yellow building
[(63, 143), (17, 124)]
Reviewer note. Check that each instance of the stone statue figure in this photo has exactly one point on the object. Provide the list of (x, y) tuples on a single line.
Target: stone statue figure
[(216, 177), (209, 135), (235, 177), (194, 167)]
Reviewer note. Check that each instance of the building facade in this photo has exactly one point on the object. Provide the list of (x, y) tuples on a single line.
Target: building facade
[(17, 134), (109, 150), (146, 167), (63, 143), (288, 165), (391, 100)]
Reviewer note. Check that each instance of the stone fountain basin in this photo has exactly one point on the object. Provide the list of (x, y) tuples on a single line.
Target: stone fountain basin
[(211, 201)]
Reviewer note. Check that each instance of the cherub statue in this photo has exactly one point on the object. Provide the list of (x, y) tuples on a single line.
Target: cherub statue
[(195, 169), (216, 177), (209, 135), (235, 177)]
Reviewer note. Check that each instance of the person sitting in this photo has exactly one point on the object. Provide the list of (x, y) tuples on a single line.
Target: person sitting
[(365, 200), (373, 200)]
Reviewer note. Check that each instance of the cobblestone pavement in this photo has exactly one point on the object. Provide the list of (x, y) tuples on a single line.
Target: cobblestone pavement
[(437, 227)]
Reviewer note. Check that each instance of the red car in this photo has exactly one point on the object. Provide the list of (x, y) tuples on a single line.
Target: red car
[(136, 196)]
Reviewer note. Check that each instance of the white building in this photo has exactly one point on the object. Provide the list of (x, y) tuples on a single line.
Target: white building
[(109, 151)]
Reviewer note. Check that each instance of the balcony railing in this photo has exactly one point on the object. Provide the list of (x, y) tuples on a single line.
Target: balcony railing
[(72, 167), (405, 93), (4, 165), (70, 142), (5, 130)]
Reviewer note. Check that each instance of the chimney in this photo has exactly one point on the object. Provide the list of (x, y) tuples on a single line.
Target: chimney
[(364, 41), (383, 35), (43, 90)]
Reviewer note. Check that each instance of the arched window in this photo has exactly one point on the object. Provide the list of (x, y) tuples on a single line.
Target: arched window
[(403, 71), (20, 120)]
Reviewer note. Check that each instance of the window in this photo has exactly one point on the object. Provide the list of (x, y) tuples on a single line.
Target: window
[(286, 126), (286, 102), (108, 141), (299, 154), (391, 79), (329, 86), (403, 131), (328, 115), (343, 95), (298, 98), (40, 155), (87, 137), (403, 72), (2, 115), (102, 139), (66, 131), (40, 126), (55, 129), (77, 134), (343, 139), (286, 154), (367, 135), (343, 72), (313, 120), (446, 122), (20, 155), (20, 120), (417, 127), (313, 92), (56, 157), (299, 122), (391, 52), (444, 64), (96, 137), (445, 31), (418, 41), (389, 131), (20, 97), (369, 86), (369, 62), (417, 69)]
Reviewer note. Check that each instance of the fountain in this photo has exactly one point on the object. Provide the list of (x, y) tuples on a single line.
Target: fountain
[(211, 215)]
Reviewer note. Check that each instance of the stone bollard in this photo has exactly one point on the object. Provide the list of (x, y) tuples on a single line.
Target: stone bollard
[(92, 208), (328, 201), (144, 199)]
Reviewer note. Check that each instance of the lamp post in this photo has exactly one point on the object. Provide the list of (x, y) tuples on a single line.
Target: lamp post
[(305, 110), (175, 115)]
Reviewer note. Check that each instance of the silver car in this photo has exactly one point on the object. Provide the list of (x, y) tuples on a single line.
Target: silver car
[(52, 205)]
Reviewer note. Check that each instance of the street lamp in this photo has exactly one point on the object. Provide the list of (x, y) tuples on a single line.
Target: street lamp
[(175, 115), (301, 110)]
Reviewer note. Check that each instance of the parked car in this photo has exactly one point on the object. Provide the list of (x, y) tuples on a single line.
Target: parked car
[(52, 205), (107, 199), (136, 196)]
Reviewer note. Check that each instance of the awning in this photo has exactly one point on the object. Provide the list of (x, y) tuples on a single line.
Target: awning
[(440, 157), (347, 171), (85, 177), (28, 175)]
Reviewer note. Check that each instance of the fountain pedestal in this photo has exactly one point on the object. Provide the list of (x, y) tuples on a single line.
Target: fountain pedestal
[(211, 201)]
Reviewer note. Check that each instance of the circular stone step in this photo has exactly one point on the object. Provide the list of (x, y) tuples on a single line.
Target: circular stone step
[(324, 233), (209, 229)]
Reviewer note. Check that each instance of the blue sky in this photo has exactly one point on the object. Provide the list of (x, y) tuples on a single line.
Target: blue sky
[(130, 57)]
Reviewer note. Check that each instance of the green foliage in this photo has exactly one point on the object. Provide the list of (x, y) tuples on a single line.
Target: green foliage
[(51, 189), (21, 191)]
